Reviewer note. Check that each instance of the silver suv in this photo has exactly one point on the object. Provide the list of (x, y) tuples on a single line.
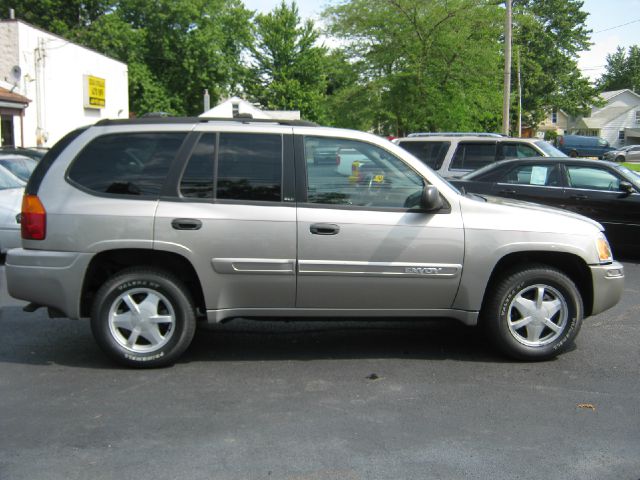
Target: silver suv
[(149, 226), (455, 154)]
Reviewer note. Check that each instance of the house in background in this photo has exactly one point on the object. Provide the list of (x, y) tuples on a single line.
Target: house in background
[(557, 121), (235, 106), (64, 85), (618, 121)]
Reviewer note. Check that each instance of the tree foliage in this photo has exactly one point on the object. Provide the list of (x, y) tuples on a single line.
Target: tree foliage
[(287, 66), (622, 70), (548, 34), (424, 65)]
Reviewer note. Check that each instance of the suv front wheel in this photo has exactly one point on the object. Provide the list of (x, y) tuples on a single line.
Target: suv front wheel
[(143, 317), (533, 313)]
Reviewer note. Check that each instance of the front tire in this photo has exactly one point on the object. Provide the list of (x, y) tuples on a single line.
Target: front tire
[(533, 314), (143, 317), (619, 159), (573, 154)]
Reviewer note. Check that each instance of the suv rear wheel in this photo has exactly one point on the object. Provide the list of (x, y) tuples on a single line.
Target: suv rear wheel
[(143, 317), (533, 313)]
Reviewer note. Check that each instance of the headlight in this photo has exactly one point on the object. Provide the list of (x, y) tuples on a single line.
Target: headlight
[(604, 250)]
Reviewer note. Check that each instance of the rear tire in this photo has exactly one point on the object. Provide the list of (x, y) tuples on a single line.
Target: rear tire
[(143, 318), (533, 313), (573, 154)]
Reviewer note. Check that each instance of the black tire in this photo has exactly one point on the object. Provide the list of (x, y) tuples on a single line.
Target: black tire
[(573, 154), (157, 291), (506, 324), (620, 158)]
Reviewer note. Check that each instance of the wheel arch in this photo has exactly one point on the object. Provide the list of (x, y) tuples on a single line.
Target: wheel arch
[(571, 265), (105, 264)]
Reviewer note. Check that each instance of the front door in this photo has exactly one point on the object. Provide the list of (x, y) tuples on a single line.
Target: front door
[(363, 243), (594, 191), (532, 182)]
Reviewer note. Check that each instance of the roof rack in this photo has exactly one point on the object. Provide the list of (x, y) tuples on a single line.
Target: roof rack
[(165, 120), (456, 134)]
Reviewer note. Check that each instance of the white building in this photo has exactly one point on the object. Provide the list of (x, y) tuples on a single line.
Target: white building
[(60, 85), (235, 106)]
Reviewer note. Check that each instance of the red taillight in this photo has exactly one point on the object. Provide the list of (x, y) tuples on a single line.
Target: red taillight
[(33, 223), (561, 140)]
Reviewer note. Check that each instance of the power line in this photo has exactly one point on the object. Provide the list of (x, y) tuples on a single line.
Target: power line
[(617, 26)]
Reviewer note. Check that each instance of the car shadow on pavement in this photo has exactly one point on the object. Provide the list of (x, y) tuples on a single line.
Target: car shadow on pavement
[(36, 339)]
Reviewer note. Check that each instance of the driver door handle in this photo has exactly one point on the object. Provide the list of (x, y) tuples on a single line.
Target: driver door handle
[(507, 191), (324, 229), (579, 197)]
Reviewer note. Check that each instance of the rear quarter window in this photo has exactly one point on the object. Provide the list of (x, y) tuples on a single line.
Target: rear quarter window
[(128, 164)]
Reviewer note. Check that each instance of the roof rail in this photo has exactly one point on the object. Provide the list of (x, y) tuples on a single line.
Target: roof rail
[(165, 120), (455, 134)]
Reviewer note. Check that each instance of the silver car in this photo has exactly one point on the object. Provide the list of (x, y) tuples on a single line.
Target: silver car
[(630, 153), (150, 226)]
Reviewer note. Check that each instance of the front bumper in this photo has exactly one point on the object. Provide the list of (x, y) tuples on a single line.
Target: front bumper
[(608, 285), (51, 279)]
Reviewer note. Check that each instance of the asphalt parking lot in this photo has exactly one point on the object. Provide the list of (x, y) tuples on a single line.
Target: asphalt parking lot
[(323, 400)]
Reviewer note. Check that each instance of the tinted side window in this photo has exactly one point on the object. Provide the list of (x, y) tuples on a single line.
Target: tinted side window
[(430, 153), (366, 176), (197, 179), (592, 178), (542, 175), (471, 156), (249, 167), (126, 163), (516, 150)]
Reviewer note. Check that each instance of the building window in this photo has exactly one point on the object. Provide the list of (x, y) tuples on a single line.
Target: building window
[(637, 117), (554, 117), (621, 135)]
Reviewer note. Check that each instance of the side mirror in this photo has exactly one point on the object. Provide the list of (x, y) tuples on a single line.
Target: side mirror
[(430, 200), (627, 187)]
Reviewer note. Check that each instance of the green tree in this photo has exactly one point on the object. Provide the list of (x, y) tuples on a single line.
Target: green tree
[(548, 35), (622, 70), (287, 66), (174, 48), (424, 65), (63, 17)]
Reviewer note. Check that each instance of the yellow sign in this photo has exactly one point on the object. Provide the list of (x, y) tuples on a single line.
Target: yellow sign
[(94, 92)]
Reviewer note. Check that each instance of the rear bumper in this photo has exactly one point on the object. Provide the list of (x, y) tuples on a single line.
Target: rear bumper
[(608, 285), (51, 279)]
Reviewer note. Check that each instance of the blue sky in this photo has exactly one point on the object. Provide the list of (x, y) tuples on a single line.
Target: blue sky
[(608, 15)]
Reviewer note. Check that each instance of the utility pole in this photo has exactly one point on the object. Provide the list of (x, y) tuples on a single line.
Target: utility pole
[(519, 98), (507, 71)]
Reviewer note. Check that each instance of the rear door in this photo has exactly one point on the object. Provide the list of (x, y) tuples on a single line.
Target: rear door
[(230, 211), (363, 245), (532, 182), (472, 155)]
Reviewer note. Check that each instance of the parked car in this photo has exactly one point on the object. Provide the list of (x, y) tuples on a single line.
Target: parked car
[(11, 191), (455, 154), (630, 153), (604, 191), (19, 165), (35, 153), (583, 146), (148, 226)]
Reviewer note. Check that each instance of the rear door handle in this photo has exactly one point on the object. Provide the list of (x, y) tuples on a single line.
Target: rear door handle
[(507, 192), (579, 197), (186, 224), (324, 229)]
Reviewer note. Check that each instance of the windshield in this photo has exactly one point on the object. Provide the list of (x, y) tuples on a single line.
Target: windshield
[(8, 180), (549, 149)]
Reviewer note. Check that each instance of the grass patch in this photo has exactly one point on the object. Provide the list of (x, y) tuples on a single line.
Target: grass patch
[(632, 166)]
